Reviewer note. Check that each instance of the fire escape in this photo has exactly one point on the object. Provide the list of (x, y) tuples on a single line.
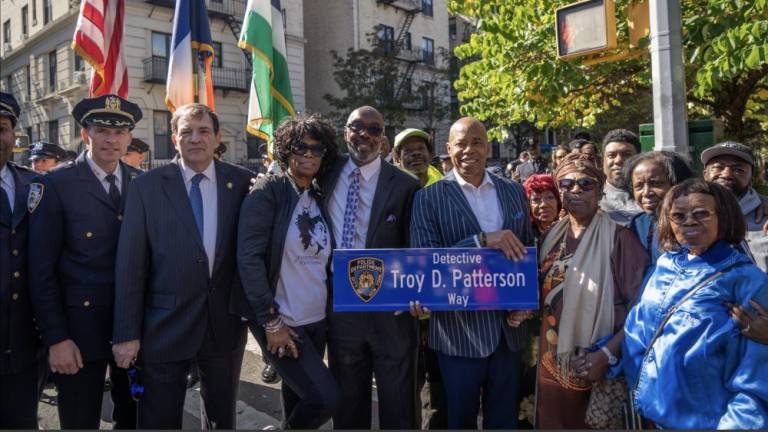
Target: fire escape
[(398, 49)]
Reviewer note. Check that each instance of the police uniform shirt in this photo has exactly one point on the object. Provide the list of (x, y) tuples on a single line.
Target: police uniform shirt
[(102, 175), (6, 179)]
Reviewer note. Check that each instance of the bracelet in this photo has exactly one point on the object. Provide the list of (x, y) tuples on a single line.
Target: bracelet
[(483, 240), (275, 325)]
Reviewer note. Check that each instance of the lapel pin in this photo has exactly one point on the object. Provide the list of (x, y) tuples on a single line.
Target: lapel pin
[(229, 185)]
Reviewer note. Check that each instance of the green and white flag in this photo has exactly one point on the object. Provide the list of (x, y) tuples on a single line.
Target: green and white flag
[(271, 100)]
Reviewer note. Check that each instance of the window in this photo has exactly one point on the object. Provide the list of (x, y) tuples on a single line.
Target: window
[(428, 51), (53, 131), (47, 11), (28, 75), (452, 27), (252, 144), (386, 36), (52, 78), (407, 42), (29, 134), (163, 144), (7, 31), (9, 83), (161, 44), (79, 63), (25, 21), (217, 55), (34, 12), (426, 7)]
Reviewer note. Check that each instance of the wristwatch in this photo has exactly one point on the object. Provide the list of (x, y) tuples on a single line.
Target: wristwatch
[(483, 240), (612, 360)]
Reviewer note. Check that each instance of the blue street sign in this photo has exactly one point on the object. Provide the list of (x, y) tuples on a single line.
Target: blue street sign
[(441, 279)]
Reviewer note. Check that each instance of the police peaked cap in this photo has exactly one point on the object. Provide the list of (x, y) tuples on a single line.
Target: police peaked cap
[(109, 111)]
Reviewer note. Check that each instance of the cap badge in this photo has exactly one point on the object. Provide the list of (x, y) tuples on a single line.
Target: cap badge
[(112, 104)]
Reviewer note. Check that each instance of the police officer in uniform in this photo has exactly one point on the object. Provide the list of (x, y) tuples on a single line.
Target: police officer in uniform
[(46, 156), (76, 213), (137, 152), (20, 350)]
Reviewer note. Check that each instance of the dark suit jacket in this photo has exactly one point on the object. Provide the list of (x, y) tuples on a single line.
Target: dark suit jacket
[(265, 217), (442, 218), (19, 340), (72, 245), (164, 294)]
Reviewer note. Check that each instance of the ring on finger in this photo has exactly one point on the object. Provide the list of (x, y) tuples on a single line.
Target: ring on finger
[(281, 351)]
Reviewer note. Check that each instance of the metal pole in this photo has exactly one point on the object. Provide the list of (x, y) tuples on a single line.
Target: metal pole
[(669, 111)]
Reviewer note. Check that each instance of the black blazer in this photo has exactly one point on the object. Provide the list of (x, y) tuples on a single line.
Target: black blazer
[(164, 294), (19, 340), (264, 221), (389, 226), (72, 246)]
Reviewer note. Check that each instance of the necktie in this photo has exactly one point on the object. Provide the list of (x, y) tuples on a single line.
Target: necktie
[(350, 212), (196, 199), (114, 192), (5, 207)]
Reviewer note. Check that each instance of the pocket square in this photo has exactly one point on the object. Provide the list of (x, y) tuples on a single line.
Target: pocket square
[(391, 218)]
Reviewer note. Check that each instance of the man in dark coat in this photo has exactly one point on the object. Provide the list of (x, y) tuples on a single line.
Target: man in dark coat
[(76, 212), (176, 269), (20, 353)]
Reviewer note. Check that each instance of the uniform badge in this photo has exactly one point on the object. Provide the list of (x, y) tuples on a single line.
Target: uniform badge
[(366, 276), (229, 185), (35, 196), (112, 104)]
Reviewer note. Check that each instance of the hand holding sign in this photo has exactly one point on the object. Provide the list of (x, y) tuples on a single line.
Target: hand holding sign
[(507, 242)]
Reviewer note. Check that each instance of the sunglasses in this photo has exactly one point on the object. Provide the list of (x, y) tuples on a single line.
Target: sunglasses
[(301, 149), (697, 215), (134, 382), (586, 184), (359, 128)]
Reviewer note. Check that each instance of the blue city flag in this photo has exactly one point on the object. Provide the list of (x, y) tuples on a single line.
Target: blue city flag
[(189, 66)]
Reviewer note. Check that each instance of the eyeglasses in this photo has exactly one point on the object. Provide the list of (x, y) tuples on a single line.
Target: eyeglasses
[(372, 130), (585, 183), (301, 149), (697, 215), (134, 382)]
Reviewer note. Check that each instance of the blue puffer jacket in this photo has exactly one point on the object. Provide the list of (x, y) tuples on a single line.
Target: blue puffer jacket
[(701, 373)]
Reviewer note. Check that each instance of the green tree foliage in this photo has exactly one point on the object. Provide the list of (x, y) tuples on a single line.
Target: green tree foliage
[(368, 78), (516, 76), (377, 78)]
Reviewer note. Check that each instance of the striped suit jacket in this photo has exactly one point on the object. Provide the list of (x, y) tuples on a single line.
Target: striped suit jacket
[(443, 218)]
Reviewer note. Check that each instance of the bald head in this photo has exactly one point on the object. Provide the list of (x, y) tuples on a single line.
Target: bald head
[(365, 112), (468, 148), (464, 124)]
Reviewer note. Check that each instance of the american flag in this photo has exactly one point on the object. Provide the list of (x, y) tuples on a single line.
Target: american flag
[(99, 40)]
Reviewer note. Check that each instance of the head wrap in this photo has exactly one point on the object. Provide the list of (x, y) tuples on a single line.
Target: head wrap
[(582, 163)]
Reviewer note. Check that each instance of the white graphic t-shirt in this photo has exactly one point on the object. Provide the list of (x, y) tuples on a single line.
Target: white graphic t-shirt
[(301, 290)]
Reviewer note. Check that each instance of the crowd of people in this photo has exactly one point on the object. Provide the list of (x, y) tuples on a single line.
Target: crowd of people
[(653, 285)]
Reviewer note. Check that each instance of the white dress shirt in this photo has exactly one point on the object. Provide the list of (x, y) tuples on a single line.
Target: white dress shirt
[(369, 178), (210, 206), (8, 184), (484, 202), (102, 175)]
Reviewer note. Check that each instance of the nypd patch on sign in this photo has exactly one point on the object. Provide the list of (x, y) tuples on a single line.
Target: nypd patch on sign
[(35, 195)]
